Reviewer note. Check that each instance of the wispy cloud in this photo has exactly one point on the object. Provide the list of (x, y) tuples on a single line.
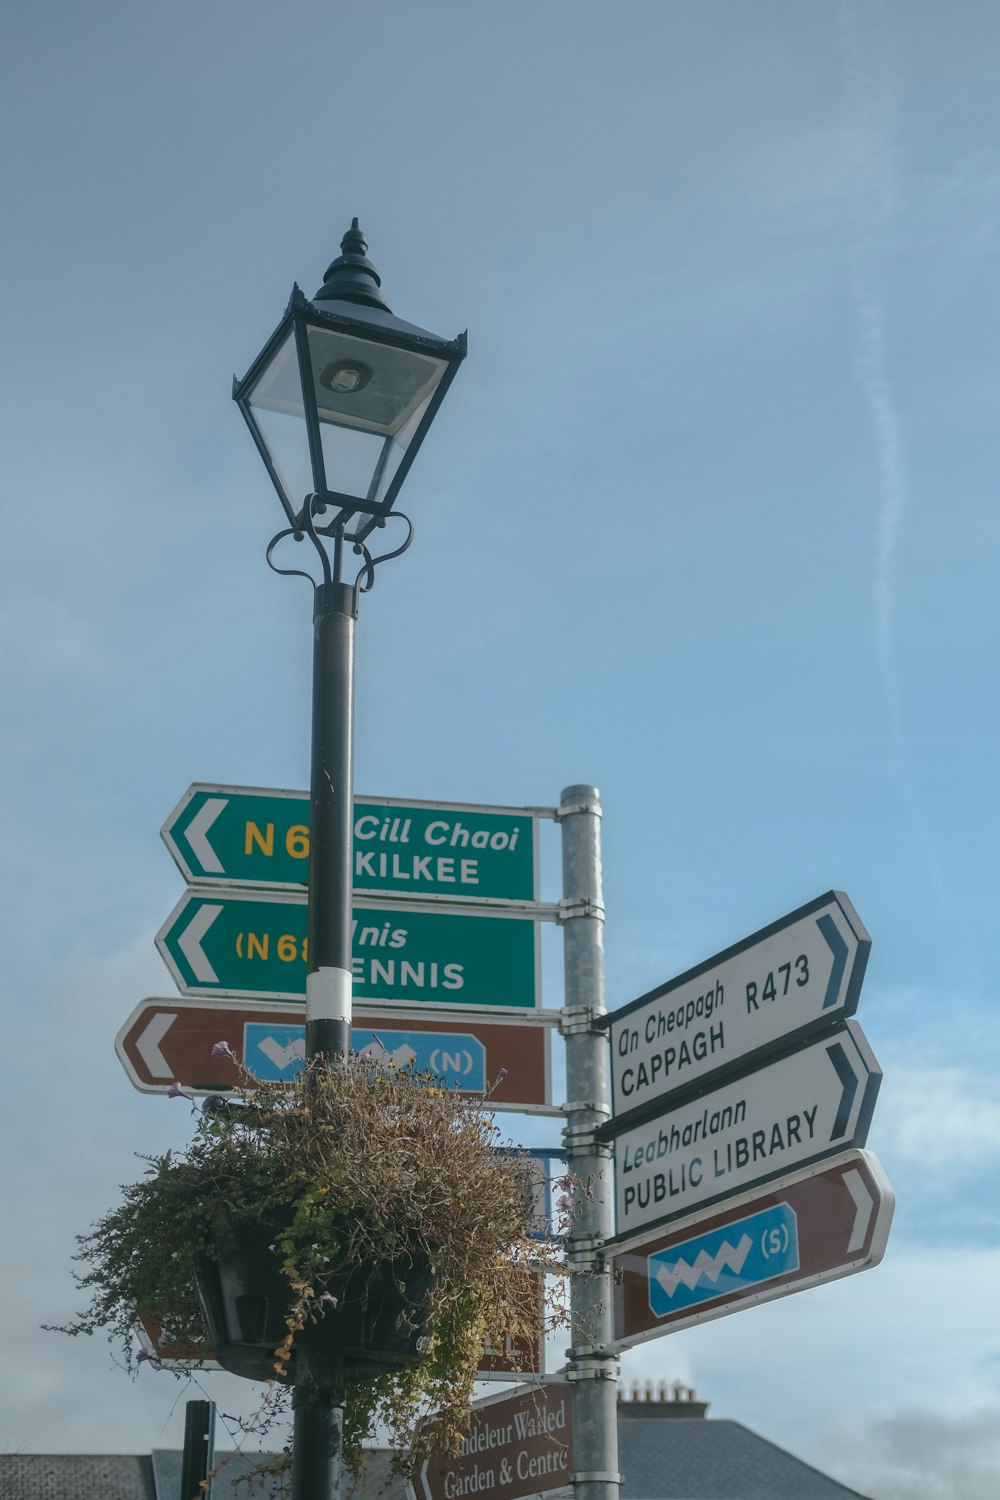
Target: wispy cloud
[(869, 129), (870, 126)]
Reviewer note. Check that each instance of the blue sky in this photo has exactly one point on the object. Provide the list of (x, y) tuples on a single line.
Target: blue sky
[(708, 519)]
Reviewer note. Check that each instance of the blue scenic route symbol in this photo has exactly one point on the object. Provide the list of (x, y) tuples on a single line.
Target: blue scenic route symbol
[(274, 1053), (741, 1255), (277, 1053)]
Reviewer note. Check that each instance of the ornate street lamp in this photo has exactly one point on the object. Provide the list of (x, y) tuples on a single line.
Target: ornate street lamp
[(338, 402), (341, 396)]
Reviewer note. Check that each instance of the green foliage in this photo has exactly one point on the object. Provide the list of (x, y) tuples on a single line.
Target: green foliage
[(359, 1164)]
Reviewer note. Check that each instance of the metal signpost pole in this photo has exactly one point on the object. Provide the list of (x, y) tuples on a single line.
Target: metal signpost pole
[(593, 1363)]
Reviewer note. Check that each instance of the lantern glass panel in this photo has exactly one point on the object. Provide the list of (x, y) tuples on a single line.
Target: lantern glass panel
[(275, 404), (350, 458)]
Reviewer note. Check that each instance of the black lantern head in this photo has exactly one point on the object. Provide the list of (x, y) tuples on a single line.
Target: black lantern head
[(341, 396)]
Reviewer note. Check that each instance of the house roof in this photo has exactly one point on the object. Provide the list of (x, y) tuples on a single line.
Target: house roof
[(101, 1476), (696, 1459), (76, 1476), (232, 1470), (683, 1458)]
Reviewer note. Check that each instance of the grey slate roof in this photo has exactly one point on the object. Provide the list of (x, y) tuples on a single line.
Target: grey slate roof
[(98, 1476), (683, 1458), (76, 1476), (232, 1468), (692, 1459)]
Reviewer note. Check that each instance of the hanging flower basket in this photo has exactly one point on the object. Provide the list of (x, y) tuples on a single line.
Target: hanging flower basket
[(367, 1211), (373, 1318)]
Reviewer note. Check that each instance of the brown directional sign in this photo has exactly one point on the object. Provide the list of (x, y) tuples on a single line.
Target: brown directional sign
[(164, 1350), (505, 1356), (822, 1222), (517, 1446), (171, 1041)]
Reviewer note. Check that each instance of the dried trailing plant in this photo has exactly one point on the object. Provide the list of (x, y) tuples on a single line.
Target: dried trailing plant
[(358, 1164)]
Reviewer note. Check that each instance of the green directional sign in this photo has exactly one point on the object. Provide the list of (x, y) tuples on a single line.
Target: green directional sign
[(256, 837), (254, 945)]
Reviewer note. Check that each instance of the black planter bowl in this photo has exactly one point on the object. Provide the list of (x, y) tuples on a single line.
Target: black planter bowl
[(378, 1323)]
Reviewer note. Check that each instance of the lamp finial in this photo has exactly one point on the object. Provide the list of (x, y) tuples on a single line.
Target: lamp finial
[(352, 277)]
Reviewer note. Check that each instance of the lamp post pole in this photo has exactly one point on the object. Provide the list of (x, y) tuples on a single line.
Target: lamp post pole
[(328, 983), (319, 1395), (338, 402)]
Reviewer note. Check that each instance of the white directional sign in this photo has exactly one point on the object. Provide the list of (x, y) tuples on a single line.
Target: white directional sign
[(795, 978), (796, 1110)]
